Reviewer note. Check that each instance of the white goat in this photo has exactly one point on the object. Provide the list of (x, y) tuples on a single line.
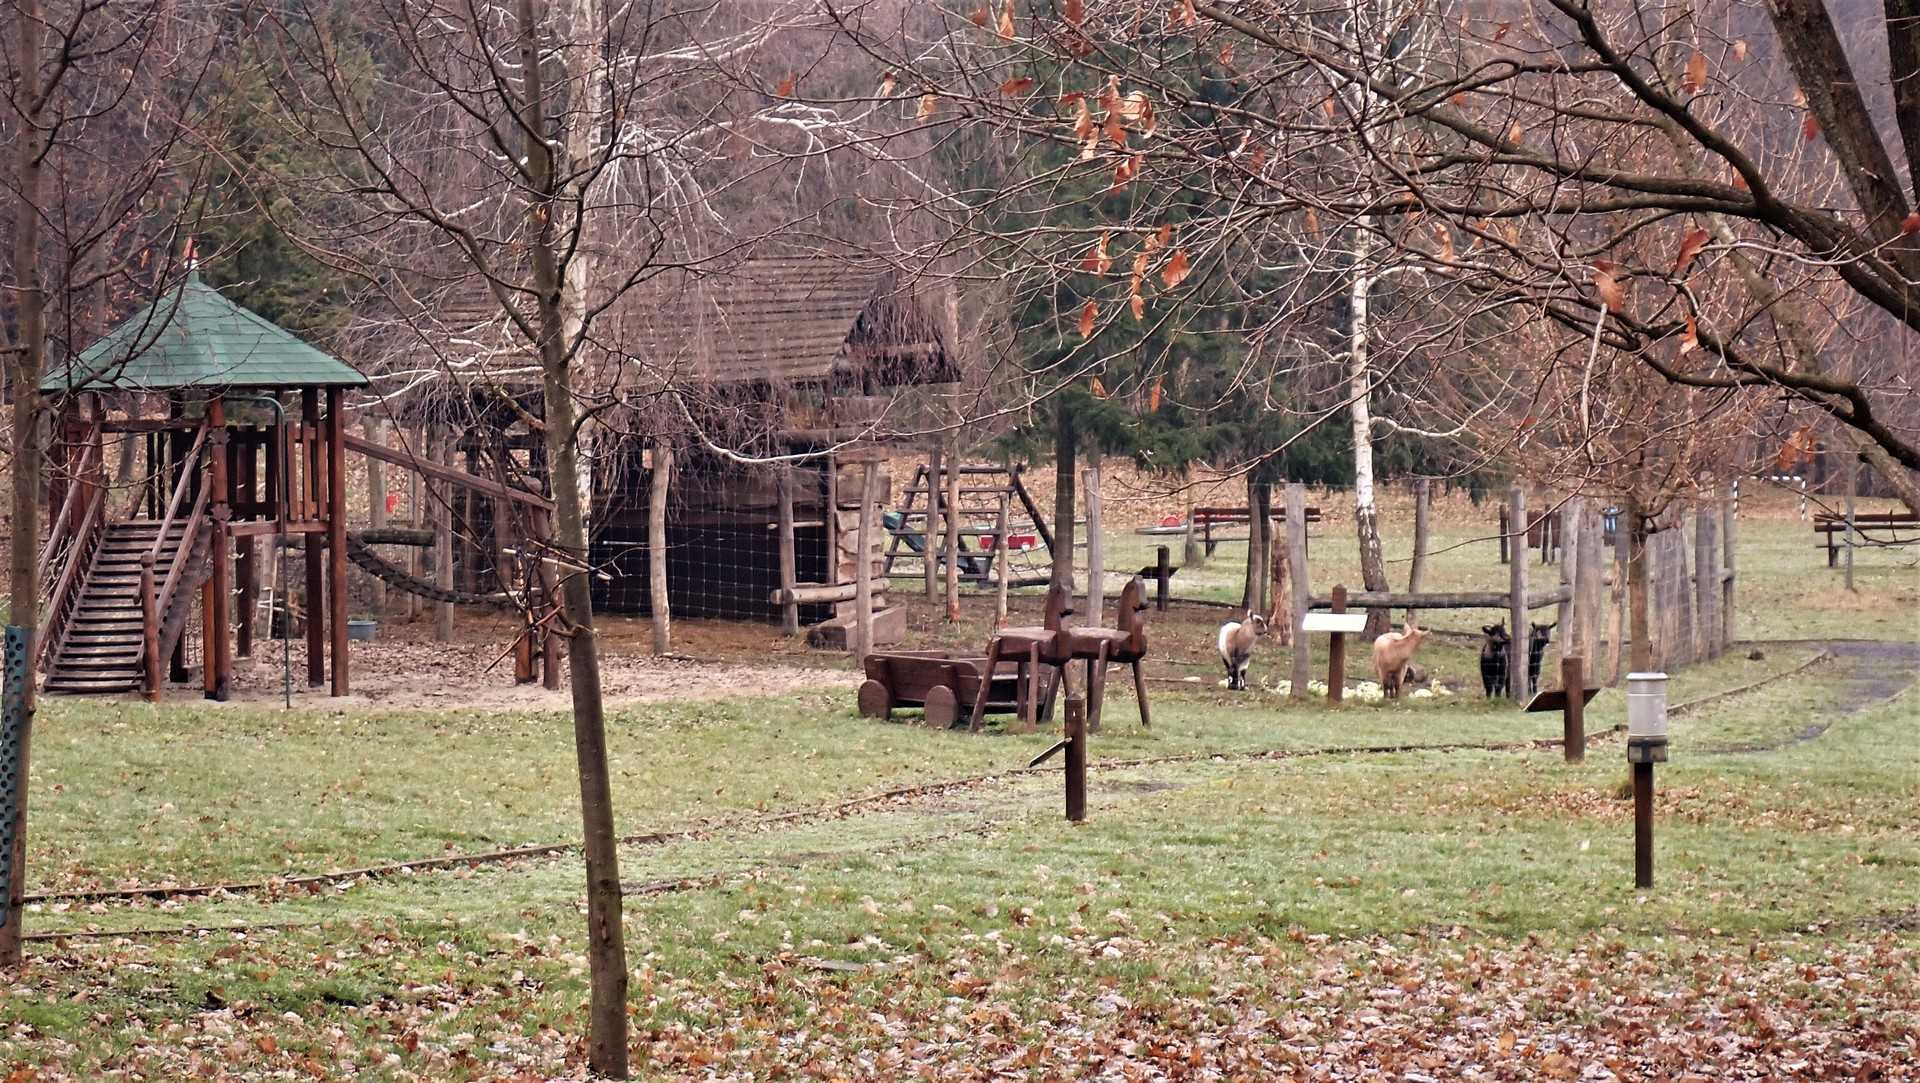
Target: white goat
[(1236, 647), (1392, 654)]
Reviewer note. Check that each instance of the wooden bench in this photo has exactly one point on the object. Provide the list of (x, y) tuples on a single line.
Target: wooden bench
[(1865, 524), (937, 682), (1205, 519)]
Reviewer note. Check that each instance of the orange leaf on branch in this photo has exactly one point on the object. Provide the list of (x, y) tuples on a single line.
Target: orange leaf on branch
[(1175, 272), (785, 89), (928, 103), (1690, 246), (981, 16), (1017, 86), (1612, 294), (1124, 173), (1075, 12), (1689, 339), (1694, 79), (1098, 389), (1097, 260), (1226, 53), (1089, 313), (1810, 127), (1797, 449), (1910, 224), (1006, 22), (1153, 397)]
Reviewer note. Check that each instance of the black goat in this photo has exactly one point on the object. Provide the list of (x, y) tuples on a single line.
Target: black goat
[(1537, 637), (1494, 674)]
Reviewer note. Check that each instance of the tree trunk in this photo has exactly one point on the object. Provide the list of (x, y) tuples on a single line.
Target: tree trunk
[(606, 941), (25, 369), (1366, 514), (1259, 529), (659, 604), (1640, 633), (1065, 452), (376, 507)]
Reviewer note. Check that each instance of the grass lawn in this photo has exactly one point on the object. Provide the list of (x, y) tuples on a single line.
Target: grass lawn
[(1435, 914)]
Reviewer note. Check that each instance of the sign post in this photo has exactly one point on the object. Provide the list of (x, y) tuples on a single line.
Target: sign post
[(1338, 625), (1646, 746)]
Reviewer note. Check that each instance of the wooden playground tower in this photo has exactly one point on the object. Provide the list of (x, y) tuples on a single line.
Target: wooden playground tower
[(252, 445)]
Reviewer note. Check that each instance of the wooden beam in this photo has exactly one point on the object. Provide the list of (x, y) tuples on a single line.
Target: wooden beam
[(337, 538), (1517, 597), (219, 650), (863, 561), (450, 474), (783, 489), (1297, 557), (316, 593)]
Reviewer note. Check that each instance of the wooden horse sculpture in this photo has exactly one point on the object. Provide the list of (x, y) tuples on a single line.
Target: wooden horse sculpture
[(1032, 648), (1123, 645)]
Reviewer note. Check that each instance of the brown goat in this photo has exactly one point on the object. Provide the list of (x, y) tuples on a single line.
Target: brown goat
[(1391, 655)]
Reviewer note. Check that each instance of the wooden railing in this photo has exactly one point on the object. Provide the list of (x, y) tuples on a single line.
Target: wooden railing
[(155, 604), (65, 594), (69, 509)]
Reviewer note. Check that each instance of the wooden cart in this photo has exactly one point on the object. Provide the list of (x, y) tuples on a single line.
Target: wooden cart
[(936, 682)]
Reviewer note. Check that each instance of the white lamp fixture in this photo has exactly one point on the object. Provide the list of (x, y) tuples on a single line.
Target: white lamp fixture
[(1646, 707)]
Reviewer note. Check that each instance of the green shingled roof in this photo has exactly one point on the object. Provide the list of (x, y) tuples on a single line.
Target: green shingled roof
[(194, 337)]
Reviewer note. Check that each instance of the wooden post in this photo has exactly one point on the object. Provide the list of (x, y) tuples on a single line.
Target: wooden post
[(149, 633), (377, 506), (1000, 562), (1729, 518), (337, 536), (1590, 613), (1096, 552), (862, 564), (1506, 528), (1076, 771), (440, 504), (659, 604), (1192, 553), (1706, 589), (1337, 652), (783, 491), (219, 634), (1422, 539), (951, 511), (417, 511), (1622, 565), (1853, 490), (245, 562), (554, 646), (1573, 717), (930, 529), (1162, 578), (1297, 557), (313, 547), (1517, 612), (1567, 613), (1643, 825)]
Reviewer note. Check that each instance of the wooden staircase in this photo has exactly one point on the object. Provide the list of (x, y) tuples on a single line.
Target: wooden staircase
[(100, 648)]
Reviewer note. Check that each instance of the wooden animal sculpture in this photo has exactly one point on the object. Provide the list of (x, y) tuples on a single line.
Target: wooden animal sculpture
[(1236, 641), (1391, 655), (1537, 637), (1033, 648), (1494, 645), (1125, 645)]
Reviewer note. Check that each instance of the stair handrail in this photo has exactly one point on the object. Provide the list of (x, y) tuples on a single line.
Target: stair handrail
[(67, 508), (65, 593), (151, 614), (187, 467)]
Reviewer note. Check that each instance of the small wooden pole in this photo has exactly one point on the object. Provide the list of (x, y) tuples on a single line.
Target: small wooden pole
[(863, 565), (1192, 553), (1729, 519), (1853, 490), (1643, 825), (1096, 552), (313, 544), (1589, 612), (219, 634), (783, 490), (439, 449), (1297, 557), (149, 633), (950, 509), (1076, 759), (1506, 528), (1706, 587), (1573, 717), (1337, 652), (1422, 539), (931, 528), (1567, 613), (1517, 612), (659, 603), (337, 538), (377, 503), (1162, 578), (1000, 555)]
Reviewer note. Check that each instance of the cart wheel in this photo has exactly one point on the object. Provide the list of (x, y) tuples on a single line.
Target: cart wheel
[(943, 707), (875, 700)]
